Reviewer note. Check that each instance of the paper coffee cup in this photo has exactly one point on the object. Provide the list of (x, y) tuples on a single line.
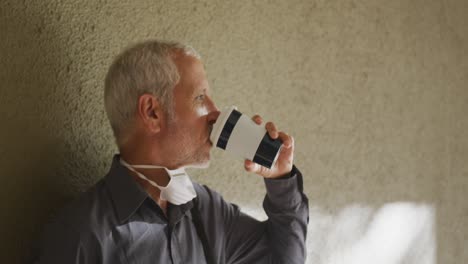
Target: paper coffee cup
[(240, 136)]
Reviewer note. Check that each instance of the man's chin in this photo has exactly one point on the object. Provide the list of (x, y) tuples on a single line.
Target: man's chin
[(200, 165), (202, 162)]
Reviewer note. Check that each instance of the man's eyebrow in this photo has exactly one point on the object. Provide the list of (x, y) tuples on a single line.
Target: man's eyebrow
[(197, 92), (203, 90)]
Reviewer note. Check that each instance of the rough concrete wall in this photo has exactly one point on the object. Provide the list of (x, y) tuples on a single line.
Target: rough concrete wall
[(375, 93)]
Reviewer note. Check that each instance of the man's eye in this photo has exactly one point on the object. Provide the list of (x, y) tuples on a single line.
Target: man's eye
[(200, 97)]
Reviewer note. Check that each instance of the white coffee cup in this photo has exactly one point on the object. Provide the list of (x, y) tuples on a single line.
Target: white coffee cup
[(240, 136)]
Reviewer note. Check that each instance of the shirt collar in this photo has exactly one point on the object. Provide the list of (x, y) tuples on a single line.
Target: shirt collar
[(127, 195)]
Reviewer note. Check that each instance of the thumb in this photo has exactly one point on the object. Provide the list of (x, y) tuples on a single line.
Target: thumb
[(251, 166), (258, 169)]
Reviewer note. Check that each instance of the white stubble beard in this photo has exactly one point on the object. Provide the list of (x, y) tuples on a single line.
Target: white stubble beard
[(197, 159)]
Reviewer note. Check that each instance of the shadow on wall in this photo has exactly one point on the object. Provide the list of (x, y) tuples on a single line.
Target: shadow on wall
[(34, 72)]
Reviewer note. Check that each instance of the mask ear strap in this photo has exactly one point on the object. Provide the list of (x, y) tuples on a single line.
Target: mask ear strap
[(146, 166), (130, 167), (172, 173)]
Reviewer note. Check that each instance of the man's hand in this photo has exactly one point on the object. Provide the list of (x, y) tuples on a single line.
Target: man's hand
[(284, 163)]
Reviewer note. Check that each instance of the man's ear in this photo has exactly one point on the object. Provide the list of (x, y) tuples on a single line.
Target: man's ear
[(150, 112)]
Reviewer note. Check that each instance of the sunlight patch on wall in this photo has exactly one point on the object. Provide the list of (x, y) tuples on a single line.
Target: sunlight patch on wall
[(396, 233)]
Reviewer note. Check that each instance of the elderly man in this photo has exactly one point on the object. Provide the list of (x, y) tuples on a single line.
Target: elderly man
[(146, 209)]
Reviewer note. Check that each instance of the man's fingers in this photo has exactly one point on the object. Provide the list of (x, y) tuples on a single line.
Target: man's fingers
[(257, 119), (272, 130), (287, 140), (251, 166)]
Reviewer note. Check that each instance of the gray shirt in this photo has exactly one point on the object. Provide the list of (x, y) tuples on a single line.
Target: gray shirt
[(117, 222)]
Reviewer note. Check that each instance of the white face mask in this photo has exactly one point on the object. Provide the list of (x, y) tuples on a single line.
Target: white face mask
[(178, 191)]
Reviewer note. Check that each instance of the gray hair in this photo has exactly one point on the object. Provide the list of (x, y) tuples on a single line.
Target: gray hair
[(145, 68)]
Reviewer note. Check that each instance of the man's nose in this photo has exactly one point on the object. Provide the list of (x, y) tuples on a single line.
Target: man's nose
[(214, 112)]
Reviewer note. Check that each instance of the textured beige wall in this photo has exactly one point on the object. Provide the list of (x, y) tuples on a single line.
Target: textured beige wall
[(375, 93)]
